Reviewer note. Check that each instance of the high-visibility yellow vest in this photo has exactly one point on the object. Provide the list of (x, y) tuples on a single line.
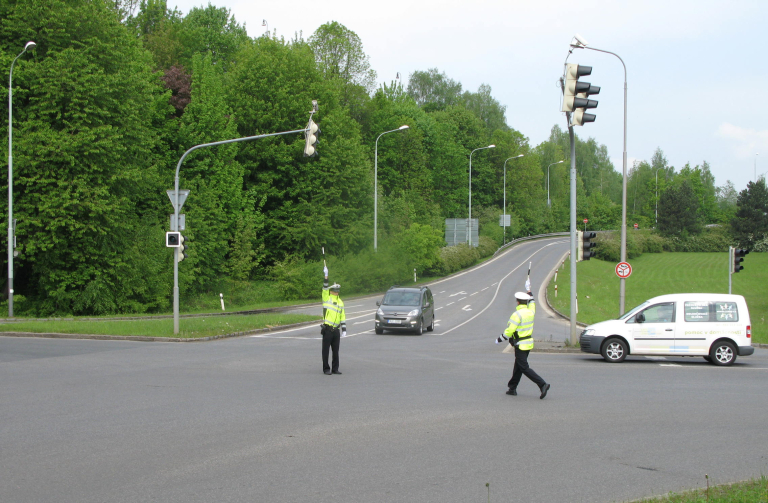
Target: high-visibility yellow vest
[(333, 310), (521, 322)]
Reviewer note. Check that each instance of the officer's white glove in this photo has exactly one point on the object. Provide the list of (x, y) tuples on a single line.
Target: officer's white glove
[(501, 339), (344, 333), (325, 271), (528, 285)]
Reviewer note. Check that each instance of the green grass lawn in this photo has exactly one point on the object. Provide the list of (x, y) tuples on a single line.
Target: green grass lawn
[(751, 491), (188, 327), (661, 273)]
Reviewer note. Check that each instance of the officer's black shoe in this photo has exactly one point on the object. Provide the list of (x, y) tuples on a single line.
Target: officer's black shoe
[(544, 390), (336, 372), (512, 392), (327, 372)]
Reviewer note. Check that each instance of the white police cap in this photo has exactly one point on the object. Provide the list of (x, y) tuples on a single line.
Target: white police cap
[(522, 296)]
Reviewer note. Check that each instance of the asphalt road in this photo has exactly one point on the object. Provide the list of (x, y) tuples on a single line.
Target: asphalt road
[(413, 418)]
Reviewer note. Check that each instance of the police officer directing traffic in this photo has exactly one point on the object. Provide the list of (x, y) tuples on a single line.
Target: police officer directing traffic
[(519, 333), (334, 324)]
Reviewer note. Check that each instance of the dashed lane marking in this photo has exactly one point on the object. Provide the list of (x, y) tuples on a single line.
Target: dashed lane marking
[(484, 289)]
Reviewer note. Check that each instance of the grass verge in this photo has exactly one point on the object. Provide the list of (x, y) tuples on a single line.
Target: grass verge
[(661, 273), (192, 328), (751, 491)]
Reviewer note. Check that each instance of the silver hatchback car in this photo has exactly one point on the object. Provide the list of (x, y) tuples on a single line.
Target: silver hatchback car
[(405, 308)]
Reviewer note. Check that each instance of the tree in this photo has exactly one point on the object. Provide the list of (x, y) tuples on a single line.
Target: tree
[(486, 108), (679, 210), (433, 90), (750, 225)]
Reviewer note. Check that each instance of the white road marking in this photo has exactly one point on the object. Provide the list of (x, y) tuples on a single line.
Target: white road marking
[(497, 289), (443, 291), (466, 308), (495, 284), (438, 308), (484, 289), (449, 303), (457, 293), (669, 365), (473, 294), (366, 321), (461, 299)]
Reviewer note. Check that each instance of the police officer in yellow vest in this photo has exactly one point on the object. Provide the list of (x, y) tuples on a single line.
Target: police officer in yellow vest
[(519, 333), (334, 324)]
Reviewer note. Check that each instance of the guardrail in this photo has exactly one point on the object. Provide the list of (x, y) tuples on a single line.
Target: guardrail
[(530, 238)]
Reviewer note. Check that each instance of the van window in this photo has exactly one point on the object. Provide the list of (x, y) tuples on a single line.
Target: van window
[(658, 313), (703, 311)]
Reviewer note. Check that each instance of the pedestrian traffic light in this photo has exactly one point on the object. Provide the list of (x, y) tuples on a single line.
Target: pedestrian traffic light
[(738, 258), (575, 94), (310, 139), (584, 245), (172, 239), (183, 247)]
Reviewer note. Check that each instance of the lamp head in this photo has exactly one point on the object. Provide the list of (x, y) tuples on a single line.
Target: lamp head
[(263, 22), (559, 162), (30, 45), (578, 42), (521, 155), (406, 126), (491, 146)]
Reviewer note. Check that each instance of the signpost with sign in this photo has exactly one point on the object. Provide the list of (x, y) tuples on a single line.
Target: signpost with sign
[(623, 270)]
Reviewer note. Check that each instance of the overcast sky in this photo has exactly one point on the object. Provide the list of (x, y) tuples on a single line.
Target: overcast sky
[(694, 67)]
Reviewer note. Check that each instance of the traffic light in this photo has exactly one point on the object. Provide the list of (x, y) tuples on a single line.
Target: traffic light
[(738, 258), (575, 94), (183, 247), (172, 239), (311, 139), (584, 245)]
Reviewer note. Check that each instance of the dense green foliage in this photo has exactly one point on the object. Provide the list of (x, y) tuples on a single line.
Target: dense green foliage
[(113, 96)]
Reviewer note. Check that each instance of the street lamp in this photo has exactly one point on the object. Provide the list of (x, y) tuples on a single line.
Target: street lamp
[(469, 222), (580, 43), (11, 237), (549, 202), (376, 186), (504, 222), (264, 23)]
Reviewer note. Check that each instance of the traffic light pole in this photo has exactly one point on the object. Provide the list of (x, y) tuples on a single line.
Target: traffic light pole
[(574, 244), (175, 221)]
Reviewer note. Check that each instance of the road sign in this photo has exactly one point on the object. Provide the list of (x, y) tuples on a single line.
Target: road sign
[(623, 270), (183, 193), (586, 220), (635, 226)]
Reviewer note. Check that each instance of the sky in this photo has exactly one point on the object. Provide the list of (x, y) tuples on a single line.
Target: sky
[(694, 68)]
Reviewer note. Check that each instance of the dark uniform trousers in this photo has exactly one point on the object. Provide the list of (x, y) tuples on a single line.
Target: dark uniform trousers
[(522, 367), (331, 338)]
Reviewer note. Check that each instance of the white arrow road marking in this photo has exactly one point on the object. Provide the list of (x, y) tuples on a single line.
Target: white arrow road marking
[(457, 293), (466, 308)]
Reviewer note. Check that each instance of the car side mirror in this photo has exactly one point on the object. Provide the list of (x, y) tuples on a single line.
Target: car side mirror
[(640, 317), (378, 303), (426, 304)]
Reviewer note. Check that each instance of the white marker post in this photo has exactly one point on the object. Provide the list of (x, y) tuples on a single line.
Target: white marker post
[(221, 295)]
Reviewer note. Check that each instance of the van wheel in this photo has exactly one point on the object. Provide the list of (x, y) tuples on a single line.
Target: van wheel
[(431, 326), (379, 331), (614, 350), (723, 353), (420, 329)]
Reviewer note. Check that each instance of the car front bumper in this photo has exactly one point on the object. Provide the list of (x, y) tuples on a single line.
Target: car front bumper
[(591, 343)]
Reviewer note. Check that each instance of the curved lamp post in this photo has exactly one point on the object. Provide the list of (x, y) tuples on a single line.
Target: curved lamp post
[(469, 222), (504, 222), (549, 202), (264, 23), (579, 43), (11, 236), (376, 187)]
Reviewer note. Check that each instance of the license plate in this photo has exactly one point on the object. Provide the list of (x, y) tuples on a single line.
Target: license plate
[(395, 322)]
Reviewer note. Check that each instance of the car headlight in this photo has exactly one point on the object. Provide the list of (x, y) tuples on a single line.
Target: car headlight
[(589, 331), (414, 312), (380, 312)]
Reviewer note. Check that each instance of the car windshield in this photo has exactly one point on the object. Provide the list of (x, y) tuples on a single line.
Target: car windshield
[(632, 312), (402, 299)]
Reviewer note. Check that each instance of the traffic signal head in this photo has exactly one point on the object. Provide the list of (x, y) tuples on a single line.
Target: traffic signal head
[(173, 239), (584, 245), (183, 247), (310, 139), (738, 258), (575, 94)]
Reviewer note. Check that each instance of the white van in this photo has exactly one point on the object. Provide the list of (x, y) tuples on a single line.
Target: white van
[(715, 326)]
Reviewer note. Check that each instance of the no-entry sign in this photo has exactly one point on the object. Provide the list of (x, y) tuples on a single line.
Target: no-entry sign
[(585, 220), (623, 270)]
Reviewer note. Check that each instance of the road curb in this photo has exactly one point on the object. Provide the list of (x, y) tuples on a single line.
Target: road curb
[(138, 338)]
